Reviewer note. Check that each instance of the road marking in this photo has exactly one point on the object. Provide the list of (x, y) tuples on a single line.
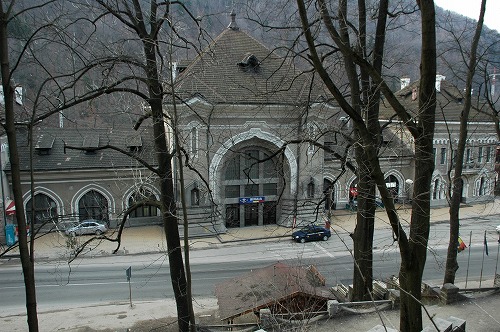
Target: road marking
[(326, 252)]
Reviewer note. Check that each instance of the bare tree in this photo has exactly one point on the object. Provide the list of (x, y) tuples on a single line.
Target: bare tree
[(413, 248), (457, 182), (100, 67)]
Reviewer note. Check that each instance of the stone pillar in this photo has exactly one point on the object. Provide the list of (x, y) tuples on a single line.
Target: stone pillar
[(449, 293), (394, 296), (333, 307), (265, 318)]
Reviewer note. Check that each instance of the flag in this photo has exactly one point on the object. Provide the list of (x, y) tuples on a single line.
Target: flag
[(461, 244), (485, 244)]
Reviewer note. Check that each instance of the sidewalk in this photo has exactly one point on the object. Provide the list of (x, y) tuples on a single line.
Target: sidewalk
[(151, 239)]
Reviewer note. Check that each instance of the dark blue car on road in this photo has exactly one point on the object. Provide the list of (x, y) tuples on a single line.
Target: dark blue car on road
[(311, 233)]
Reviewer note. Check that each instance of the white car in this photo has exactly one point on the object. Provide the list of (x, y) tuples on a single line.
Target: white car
[(89, 226)]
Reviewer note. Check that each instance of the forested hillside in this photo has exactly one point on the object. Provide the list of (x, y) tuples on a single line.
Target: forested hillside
[(274, 23)]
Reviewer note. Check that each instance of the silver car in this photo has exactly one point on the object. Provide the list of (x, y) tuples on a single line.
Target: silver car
[(90, 226)]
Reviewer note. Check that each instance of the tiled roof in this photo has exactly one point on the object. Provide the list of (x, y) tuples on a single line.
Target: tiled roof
[(263, 287), (54, 157), (237, 69), (449, 103)]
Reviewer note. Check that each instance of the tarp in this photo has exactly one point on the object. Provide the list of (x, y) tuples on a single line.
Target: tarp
[(10, 207)]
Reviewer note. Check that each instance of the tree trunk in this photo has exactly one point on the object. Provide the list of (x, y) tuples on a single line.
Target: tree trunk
[(168, 201), (451, 257), (363, 235), (174, 250), (27, 261), (413, 255)]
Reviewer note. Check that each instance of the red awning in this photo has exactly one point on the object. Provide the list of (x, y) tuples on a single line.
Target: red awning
[(10, 207)]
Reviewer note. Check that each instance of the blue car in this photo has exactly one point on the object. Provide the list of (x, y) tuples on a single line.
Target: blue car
[(311, 233)]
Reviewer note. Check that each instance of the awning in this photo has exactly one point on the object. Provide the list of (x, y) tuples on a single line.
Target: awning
[(10, 207)]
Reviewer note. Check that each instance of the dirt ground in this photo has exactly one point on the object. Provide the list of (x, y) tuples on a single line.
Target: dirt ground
[(481, 311)]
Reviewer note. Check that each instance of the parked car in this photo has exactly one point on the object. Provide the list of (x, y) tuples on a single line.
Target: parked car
[(89, 226), (311, 233), (498, 229)]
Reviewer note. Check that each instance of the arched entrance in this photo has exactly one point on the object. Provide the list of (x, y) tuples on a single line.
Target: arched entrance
[(392, 185), (93, 205), (252, 182)]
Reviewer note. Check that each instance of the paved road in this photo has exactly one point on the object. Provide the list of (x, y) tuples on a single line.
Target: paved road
[(104, 280)]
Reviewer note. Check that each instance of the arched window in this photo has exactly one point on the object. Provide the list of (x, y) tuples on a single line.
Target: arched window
[(45, 209), (481, 186), (436, 189), (310, 189), (93, 205), (195, 197), (145, 210), (392, 184)]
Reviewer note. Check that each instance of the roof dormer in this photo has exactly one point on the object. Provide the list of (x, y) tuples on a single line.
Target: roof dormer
[(44, 144)]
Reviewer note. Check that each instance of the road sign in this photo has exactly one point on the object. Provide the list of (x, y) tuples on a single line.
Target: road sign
[(129, 273), (252, 200)]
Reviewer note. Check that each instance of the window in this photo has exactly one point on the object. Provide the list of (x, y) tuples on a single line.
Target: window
[(270, 189), (193, 142), (251, 168), (310, 136), (468, 158), (195, 197), (488, 154), (310, 189), (481, 187), (269, 168), (146, 210), (436, 189), (232, 191), (45, 209), (233, 169), (443, 156), (434, 153), (93, 205), (480, 154), (232, 215), (251, 190)]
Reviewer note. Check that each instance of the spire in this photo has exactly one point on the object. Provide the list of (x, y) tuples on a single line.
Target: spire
[(233, 25)]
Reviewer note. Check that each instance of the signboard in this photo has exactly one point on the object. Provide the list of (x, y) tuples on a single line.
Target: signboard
[(252, 200)]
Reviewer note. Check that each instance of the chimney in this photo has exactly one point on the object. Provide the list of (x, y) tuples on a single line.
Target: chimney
[(232, 25), (405, 81), (439, 78)]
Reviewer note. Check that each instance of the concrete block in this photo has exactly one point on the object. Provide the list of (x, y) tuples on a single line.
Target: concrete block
[(394, 296), (266, 319), (333, 307), (443, 325), (457, 323), (449, 293)]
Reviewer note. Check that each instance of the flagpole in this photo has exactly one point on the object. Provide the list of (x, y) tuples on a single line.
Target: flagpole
[(498, 251), (485, 246), (468, 259)]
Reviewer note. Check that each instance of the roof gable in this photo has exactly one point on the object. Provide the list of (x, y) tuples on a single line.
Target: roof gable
[(237, 69)]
